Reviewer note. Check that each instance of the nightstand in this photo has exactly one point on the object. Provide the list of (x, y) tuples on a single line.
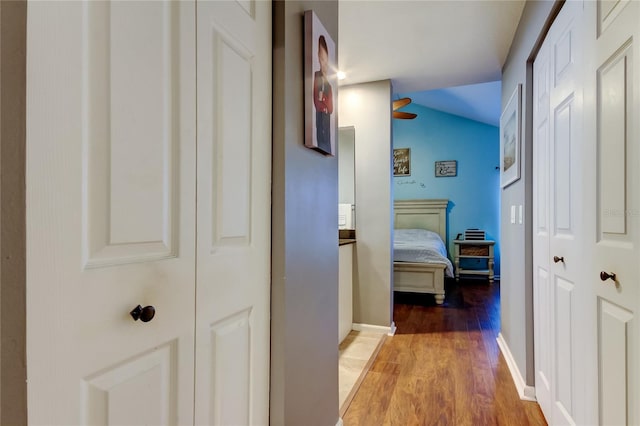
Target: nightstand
[(474, 249)]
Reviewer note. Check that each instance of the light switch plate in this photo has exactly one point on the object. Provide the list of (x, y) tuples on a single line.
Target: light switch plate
[(513, 214), (520, 214)]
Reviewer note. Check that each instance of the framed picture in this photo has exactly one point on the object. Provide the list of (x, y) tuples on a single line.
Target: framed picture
[(446, 168), (510, 140), (402, 162), (320, 86)]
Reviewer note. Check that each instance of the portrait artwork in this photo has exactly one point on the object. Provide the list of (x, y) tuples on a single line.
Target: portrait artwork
[(320, 86)]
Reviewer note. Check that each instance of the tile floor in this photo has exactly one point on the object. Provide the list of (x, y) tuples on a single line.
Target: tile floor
[(356, 355)]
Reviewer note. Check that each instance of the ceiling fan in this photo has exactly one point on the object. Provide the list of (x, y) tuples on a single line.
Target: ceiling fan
[(400, 114)]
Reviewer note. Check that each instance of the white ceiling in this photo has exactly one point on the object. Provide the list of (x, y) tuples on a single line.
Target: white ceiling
[(430, 44)]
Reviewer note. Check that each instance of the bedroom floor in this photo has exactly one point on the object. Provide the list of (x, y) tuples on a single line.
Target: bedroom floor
[(443, 366)]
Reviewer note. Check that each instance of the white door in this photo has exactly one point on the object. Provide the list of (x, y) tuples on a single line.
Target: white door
[(560, 293), (234, 212), (613, 212), (542, 296), (110, 212), (113, 209)]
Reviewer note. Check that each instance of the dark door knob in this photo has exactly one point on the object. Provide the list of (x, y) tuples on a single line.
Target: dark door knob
[(557, 259), (145, 314), (605, 276)]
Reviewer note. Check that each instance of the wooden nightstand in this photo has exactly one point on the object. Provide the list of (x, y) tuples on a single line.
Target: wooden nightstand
[(474, 249)]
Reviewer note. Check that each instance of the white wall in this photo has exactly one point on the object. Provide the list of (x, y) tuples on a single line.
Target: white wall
[(367, 107)]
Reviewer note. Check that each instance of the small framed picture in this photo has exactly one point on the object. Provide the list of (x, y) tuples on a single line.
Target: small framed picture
[(510, 140), (402, 162), (446, 168), (320, 86)]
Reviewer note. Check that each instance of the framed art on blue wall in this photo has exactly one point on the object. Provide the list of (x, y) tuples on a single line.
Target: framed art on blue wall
[(320, 85), (446, 168), (402, 162), (510, 140)]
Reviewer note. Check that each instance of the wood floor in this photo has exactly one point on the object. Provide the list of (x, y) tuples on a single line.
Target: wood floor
[(443, 366)]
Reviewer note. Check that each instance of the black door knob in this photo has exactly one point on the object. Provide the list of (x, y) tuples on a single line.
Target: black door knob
[(605, 276), (557, 259), (145, 314)]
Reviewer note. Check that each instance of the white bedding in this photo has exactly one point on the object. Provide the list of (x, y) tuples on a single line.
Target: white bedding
[(420, 246)]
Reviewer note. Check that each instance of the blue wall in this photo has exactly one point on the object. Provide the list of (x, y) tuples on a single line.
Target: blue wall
[(474, 194)]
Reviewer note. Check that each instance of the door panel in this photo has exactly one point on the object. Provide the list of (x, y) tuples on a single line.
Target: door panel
[(233, 213), (560, 296), (132, 392), (562, 173), (130, 138), (614, 94), (564, 353), (614, 342), (230, 343), (542, 301), (607, 10), (110, 208), (232, 143), (544, 340), (613, 140)]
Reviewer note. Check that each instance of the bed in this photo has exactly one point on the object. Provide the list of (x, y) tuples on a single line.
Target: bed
[(420, 266)]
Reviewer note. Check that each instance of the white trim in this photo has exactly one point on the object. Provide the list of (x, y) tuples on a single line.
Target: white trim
[(340, 423), (393, 329), (390, 331), (527, 393)]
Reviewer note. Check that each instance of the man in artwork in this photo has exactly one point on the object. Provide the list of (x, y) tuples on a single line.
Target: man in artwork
[(323, 98)]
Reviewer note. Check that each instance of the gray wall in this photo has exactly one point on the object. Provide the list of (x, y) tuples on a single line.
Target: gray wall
[(367, 107), (13, 385), (304, 363), (516, 289)]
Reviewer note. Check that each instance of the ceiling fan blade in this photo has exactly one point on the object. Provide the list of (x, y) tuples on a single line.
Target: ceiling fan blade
[(404, 115), (400, 103)]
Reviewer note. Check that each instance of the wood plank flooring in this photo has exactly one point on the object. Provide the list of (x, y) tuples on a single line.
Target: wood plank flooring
[(443, 366)]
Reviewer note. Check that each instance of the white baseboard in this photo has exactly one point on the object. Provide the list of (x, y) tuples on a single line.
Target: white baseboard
[(375, 328), (527, 393), (393, 329), (340, 423)]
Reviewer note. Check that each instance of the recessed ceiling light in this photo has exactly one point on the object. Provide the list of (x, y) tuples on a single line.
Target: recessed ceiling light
[(341, 75)]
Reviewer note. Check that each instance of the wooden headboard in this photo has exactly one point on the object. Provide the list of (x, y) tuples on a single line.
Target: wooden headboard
[(422, 214)]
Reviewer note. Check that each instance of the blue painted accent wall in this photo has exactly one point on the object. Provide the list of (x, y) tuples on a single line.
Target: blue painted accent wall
[(474, 194)]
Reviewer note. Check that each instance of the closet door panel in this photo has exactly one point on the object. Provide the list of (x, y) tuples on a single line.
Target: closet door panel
[(233, 212), (560, 306), (613, 336), (562, 192), (542, 290), (111, 206), (616, 211), (614, 93)]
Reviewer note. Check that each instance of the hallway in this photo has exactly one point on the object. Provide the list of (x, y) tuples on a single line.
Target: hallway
[(443, 366)]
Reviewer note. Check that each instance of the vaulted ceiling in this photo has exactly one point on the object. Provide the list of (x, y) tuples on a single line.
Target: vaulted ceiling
[(426, 45)]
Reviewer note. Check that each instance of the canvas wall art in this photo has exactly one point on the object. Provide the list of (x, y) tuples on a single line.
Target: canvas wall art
[(321, 86)]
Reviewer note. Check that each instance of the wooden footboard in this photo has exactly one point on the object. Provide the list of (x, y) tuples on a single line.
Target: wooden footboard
[(420, 278)]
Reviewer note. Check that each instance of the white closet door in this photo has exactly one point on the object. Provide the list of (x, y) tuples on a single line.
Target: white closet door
[(614, 207), (542, 290), (234, 212), (110, 212), (560, 295)]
